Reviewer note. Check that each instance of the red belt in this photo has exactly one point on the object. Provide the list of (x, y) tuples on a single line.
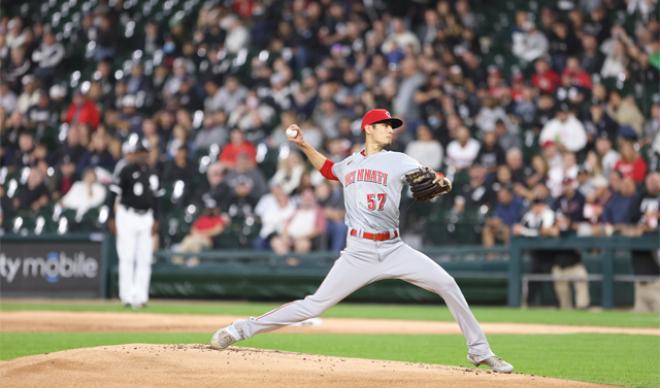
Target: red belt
[(375, 236)]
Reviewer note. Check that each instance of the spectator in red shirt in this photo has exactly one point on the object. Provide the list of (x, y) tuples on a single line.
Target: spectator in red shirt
[(208, 225), (545, 79), (576, 75), (237, 145), (82, 111), (631, 165)]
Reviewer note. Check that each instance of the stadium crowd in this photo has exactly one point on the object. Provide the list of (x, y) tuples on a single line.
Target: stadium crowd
[(547, 124)]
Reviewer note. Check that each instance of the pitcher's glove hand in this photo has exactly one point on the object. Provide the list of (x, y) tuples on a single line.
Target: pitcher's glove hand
[(425, 184)]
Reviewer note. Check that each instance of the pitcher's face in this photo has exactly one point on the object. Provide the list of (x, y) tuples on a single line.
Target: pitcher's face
[(381, 133)]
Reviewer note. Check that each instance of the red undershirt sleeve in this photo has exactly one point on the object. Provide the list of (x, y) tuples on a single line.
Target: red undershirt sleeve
[(326, 170)]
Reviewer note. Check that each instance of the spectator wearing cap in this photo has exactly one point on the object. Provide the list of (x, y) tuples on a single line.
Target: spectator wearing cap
[(82, 111), (48, 57), (566, 130), (631, 164)]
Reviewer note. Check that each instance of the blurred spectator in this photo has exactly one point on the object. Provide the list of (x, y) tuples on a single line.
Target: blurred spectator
[(528, 42), (7, 98), (82, 111), (48, 57), (237, 35), (84, 194), (545, 79), (232, 95), (237, 146), (289, 173), (330, 197), (274, 209), (617, 210), (462, 151), (645, 215), (65, 177), (630, 165), (306, 224), (625, 111), (490, 154), (565, 129), (218, 190), (247, 184), (598, 123), (179, 167), (209, 224), (507, 212), (425, 148), (34, 194), (538, 221), (30, 95), (213, 131), (98, 155)]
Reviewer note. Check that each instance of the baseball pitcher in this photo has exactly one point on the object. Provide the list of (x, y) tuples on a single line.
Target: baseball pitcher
[(372, 180)]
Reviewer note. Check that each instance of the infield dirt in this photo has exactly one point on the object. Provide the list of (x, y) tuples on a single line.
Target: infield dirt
[(140, 365)]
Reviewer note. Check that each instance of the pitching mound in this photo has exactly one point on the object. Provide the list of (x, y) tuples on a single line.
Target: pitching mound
[(199, 366)]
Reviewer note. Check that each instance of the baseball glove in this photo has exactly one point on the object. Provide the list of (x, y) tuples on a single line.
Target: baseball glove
[(425, 184)]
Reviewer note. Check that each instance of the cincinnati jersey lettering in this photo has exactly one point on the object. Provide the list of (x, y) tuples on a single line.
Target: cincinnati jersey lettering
[(365, 175)]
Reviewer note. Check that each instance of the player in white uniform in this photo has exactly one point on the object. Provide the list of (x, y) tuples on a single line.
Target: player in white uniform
[(373, 180)]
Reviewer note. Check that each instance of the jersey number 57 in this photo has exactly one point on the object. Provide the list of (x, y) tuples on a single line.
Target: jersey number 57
[(376, 201)]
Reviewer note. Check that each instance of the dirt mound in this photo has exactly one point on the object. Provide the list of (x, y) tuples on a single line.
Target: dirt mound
[(141, 365), (59, 321)]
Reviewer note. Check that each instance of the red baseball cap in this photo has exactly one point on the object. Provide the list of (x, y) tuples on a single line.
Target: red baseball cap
[(375, 116)]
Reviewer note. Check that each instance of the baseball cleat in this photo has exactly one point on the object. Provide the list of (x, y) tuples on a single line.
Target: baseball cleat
[(222, 338), (495, 363)]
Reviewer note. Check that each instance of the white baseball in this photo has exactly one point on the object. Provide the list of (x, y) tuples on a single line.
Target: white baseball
[(291, 133)]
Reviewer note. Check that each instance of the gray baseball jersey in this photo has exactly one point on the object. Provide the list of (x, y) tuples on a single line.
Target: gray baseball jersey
[(372, 191), (372, 188)]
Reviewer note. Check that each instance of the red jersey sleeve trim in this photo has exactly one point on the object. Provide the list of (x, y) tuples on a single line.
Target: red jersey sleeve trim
[(326, 170)]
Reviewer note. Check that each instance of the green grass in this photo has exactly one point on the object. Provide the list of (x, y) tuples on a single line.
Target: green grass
[(347, 310), (630, 360)]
